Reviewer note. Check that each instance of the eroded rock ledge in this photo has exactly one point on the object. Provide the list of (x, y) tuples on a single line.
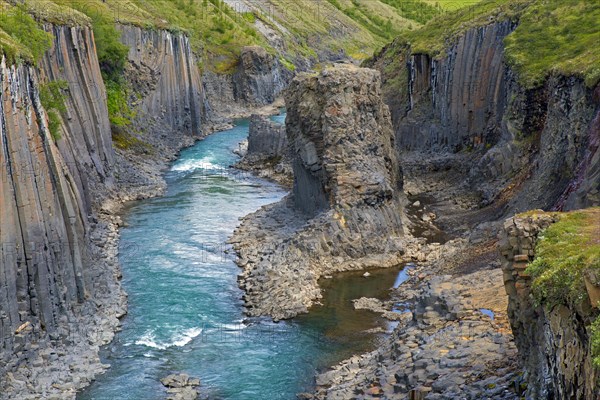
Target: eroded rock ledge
[(553, 342), (345, 211)]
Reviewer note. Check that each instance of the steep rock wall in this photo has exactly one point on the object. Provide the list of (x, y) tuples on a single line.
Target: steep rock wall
[(170, 106), (553, 343), (85, 144), (258, 79), (165, 72), (59, 294), (259, 76), (458, 99), (526, 144)]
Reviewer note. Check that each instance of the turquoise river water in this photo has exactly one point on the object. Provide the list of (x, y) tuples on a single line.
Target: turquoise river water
[(185, 309)]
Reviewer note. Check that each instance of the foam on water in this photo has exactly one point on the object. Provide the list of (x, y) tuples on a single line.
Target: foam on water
[(205, 163), (179, 339)]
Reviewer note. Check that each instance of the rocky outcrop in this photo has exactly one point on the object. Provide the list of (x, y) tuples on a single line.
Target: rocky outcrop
[(554, 343), (536, 147), (259, 76), (345, 211), (59, 293), (342, 142), (181, 387), (267, 153), (444, 347), (266, 138)]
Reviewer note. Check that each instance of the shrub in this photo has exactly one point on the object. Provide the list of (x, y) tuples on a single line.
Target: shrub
[(119, 112), (53, 101), (112, 54)]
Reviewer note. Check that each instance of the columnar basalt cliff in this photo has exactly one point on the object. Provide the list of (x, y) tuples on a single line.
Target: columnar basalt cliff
[(553, 341), (458, 99), (86, 145), (259, 76), (345, 199), (169, 103), (164, 72), (266, 138), (528, 142), (60, 297)]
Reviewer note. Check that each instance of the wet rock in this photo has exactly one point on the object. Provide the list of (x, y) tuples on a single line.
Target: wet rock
[(181, 387), (429, 356)]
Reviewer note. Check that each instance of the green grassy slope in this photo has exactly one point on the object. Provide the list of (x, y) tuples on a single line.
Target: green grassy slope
[(218, 31), (560, 36)]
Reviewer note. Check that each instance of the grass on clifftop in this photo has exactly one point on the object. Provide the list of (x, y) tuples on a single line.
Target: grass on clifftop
[(564, 251), (560, 36), (21, 37), (215, 30)]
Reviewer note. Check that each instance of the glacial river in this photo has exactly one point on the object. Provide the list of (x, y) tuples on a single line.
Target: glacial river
[(185, 308)]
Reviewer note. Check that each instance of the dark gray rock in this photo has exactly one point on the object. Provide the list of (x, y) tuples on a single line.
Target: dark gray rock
[(346, 195), (259, 77)]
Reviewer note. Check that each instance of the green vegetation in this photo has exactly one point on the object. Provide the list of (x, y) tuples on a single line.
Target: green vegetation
[(21, 38), (125, 140), (119, 112), (442, 31), (112, 57), (53, 101), (563, 252), (216, 31), (418, 11), (387, 18), (561, 36)]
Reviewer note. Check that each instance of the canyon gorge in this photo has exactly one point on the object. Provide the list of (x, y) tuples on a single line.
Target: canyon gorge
[(313, 151)]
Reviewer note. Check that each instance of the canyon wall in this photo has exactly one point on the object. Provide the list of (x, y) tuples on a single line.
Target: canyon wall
[(164, 73), (170, 106), (258, 79), (532, 145), (458, 99), (59, 296), (554, 343)]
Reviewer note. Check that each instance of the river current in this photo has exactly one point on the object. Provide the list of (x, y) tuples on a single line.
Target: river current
[(185, 309)]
